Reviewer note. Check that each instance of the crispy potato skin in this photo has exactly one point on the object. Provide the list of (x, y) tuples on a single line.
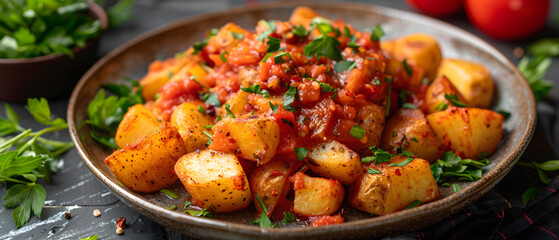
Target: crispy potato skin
[(472, 80), (371, 118), (408, 128), (335, 160), (419, 50), (214, 180), (315, 196), (395, 188), (190, 123), (256, 137), (435, 94), (270, 182), (147, 166), (137, 124), (468, 131)]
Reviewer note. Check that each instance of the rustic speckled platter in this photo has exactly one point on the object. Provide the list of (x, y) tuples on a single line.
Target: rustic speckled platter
[(132, 59)]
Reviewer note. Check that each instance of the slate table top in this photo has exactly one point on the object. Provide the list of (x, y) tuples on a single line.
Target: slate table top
[(76, 189)]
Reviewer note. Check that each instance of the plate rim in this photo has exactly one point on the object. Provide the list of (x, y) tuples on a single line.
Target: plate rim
[(476, 189)]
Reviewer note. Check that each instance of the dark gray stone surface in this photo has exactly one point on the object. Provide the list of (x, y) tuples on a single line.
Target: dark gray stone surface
[(75, 188)]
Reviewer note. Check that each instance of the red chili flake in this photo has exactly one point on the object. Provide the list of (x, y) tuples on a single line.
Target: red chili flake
[(121, 222), (397, 172), (276, 173), (274, 192)]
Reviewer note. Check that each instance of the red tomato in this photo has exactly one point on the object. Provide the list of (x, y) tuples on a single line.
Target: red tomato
[(437, 8), (508, 19)]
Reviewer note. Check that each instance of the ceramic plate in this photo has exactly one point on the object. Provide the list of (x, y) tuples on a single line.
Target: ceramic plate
[(132, 59)]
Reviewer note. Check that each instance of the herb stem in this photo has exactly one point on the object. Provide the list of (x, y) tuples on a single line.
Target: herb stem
[(15, 139), (525, 164), (6, 31), (61, 151), (36, 135), (4, 179)]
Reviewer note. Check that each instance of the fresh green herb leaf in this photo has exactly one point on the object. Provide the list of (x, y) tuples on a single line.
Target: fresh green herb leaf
[(379, 156), (209, 136), (264, 221), (407, 67), (209, 126), (403, 163), (279, 57), (452, 166), (289, 97), (211, 99), (373, 171), (552, 165), (506, 114), (288, 123), (453, 98), (222, 56), (172, 207), (530, 194), (545, 47), (324, 45), (288, 217), (344, 65), (169, 193), (92, 237), (107, 141), (414, 139), (301, 153), (273, 44), (228, 109), (357, 132), (274, 107), (456, 188), (268, 55), (271, 27), (239, 36), (300, 31), (202, 110), (413, 204), (441, 106), (25, 198), (201, 213), (186, 204), (534, 70), (409, 106), (377, 33), (41, 112)]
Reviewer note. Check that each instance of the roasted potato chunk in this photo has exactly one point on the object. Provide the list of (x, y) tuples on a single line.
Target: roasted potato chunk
[(237, 103), (256, 137), (435, 95), (469, 131), (159, 73), (419, 50), (408, 128), (147, 166), (394, 188), (315, 196), (190, 123), (270, 181), (371, 118), (335, 160), (302, 16), (472, 80), (137, 124), (214, 180)]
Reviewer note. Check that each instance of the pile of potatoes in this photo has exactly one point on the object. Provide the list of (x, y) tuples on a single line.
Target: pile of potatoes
[(154, 153)]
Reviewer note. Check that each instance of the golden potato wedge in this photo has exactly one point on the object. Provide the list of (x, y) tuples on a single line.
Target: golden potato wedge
[(159, 73), (248, 75), (394, 188), (270, 181), (256, 137), (469, 131), (335, 160), (303, 16), (147, 166), (214, 180), (137, 124), (371, 118), (435, 95), (315, 196), (190, 123), (237, 103), (419, 50), (408, 128), (472, 80)]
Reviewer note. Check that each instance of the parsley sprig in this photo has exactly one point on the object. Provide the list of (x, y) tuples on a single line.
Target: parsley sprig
[(534, 70), (28, 156), (453, 166), (264, 221), (324, 45)]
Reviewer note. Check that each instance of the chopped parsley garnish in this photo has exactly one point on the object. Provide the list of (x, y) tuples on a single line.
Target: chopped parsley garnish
[(403, 163), (301, 153), (169, 193), (239, 36), (288, 123), (413, 204), (186, 204), (373, 171), (271, 25), (201, 110), (530, 194), (357, 132), (300, 31), (172, 207), (288, 217), (279, 57), (414, 139), (394, 134), (456, 188), (256, 89), (273, 44), (347, 33), (201, 213), (534, 70), (407, 67), (334, 96), (324, 45), (389, 80), (344, 65), (222, 56), (289, 97), (453, 98), (506, 114), (211, 99), (441, 106), (264, 221), (274, 107), (324, 86), (268, 55), (377, 33), (409, 106), (210, 136), (198, 46), (452, 166), (228, 110), (209, 126), (379, 156)]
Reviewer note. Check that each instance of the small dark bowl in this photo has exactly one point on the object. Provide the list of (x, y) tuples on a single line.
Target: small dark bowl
[(50, 76)]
